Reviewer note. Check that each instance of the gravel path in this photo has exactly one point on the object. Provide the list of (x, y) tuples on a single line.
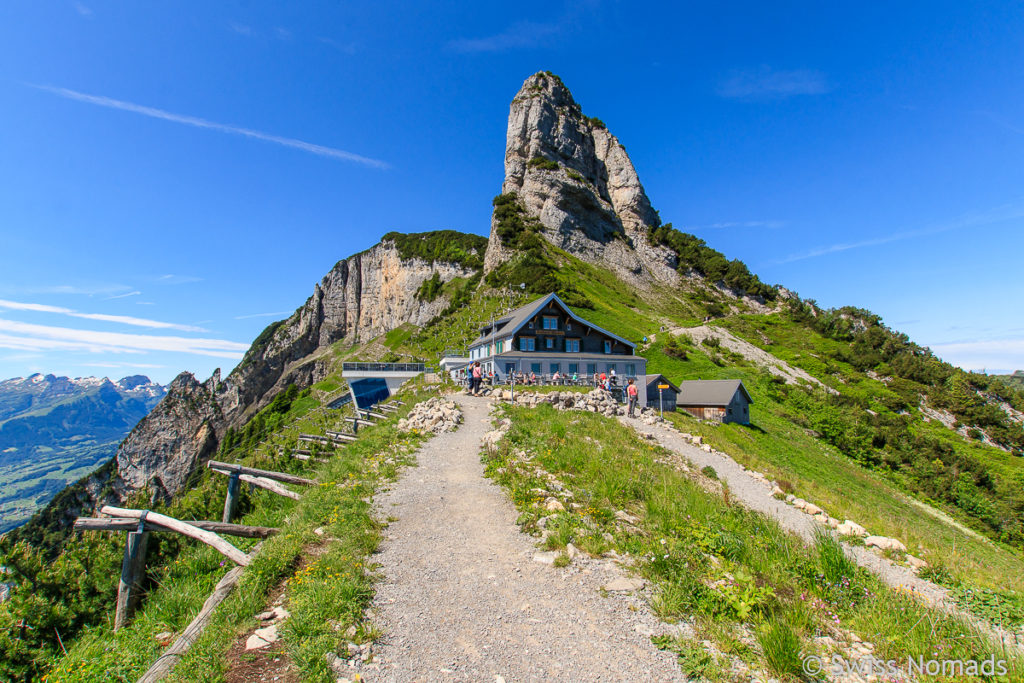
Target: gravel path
[(755, 494), (463, 600)]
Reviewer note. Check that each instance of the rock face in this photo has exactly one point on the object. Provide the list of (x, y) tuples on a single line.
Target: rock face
[(592, 205), (361, 297), (168, 445)]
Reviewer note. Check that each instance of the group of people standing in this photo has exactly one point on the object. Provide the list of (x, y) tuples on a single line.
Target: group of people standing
[(476, 378), (603, 381)]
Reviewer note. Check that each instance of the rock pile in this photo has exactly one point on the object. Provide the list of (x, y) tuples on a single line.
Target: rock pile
[(596, 401), (435, 415)]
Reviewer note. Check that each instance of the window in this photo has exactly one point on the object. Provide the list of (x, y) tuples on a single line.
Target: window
[(549, 323), (591, 368), (572, 345), (510, 368), (549, 343), (501, 347), (574, 368), (568, 325), (631, 369), (555, 367), (607, 347), (613, 367), (531, 325), (535, 368), (526, 344)]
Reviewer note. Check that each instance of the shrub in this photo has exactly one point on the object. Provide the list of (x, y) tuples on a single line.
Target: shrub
[(694, 254), (543, 164), (781, 647), (449, 246), (709, 472), (676, 346), (430, 288)]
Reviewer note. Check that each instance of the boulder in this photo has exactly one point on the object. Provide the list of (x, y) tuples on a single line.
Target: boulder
[(850, 528), (623, 585), (884, 543)]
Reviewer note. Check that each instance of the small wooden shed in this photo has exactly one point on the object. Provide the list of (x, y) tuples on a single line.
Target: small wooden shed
[(723, 400), (668, 396)]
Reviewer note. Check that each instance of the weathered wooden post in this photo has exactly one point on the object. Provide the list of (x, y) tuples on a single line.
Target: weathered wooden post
[(231, 500), (132, 570)]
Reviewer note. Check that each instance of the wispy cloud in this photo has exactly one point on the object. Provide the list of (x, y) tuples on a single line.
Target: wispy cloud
[(121, 319), (522, 34), (765, 81), (196, 122), (993, 355), (171, 279), (970, 220), (122, 296), (82, 9), (29, 337), (241, 29), (83, 290), (261, 315), (149, 366)]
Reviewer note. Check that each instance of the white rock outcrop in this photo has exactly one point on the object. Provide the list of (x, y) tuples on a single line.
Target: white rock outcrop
[(436, 415)]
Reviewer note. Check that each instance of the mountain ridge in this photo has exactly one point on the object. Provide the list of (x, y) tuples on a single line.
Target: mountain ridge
[(54, 429)]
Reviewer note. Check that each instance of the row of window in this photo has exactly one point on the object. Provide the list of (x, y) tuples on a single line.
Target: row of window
[(573, 368), (552, 344)]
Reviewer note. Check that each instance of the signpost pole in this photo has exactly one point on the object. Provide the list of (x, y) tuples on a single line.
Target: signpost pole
[(661, 398)]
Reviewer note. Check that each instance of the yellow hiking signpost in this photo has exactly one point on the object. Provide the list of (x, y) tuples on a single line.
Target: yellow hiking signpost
[(661, 399)]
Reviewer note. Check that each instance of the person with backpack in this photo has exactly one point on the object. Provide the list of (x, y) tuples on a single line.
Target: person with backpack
[(631, 394)]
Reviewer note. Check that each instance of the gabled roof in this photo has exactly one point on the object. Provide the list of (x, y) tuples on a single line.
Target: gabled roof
[(710, 392), (514, 320), (664, 380)]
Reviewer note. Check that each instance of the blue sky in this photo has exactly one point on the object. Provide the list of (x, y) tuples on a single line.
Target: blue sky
[(175, 176)]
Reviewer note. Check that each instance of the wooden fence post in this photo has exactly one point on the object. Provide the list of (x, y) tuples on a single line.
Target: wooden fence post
[(132, 570), (231, 500)]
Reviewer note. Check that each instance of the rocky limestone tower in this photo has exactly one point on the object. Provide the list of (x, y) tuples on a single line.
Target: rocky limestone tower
[(592, 205)]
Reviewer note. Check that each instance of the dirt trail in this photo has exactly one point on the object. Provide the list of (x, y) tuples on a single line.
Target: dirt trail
[(462, 598)]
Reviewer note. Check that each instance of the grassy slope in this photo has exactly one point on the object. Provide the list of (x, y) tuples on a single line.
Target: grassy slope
[(330, 591), (731, 573), (780, 447)]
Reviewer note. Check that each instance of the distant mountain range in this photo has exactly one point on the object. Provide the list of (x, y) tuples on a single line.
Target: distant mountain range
[(55, 430)]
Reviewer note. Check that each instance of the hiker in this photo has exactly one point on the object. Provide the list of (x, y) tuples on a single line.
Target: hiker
[(575, 379), (631, 393), (477, 378), (603, 381), (533, 378), (611, 377), (555, 377)]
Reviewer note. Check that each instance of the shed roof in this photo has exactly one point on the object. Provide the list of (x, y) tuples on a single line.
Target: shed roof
[(650, 379), (711, 392), (516, 318)]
